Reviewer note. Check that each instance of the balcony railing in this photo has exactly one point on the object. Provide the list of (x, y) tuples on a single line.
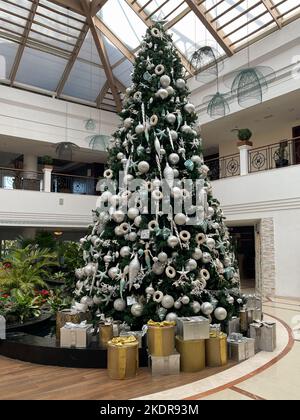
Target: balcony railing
[(73, 184), (224, 167), (278, 155), (18, 179)]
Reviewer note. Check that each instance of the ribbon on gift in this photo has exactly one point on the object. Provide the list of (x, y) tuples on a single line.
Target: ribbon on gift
[(215, 330), (217, 334), (260, 324), (236, 338), (123, 341), (161, 324), (71, 326)]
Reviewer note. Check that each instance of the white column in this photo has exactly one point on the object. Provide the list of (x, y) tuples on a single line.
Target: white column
[(244, 159), (47, 178), (30, 166)]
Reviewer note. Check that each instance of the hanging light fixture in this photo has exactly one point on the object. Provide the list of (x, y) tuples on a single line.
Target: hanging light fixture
[(218, 105), (65, 150), (207, 62)]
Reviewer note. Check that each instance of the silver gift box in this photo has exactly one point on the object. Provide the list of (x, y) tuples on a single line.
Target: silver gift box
[(264, 334), (169, 365), (79, 336), (193, 328), (137, 334), (233, 326), (241, 350), (253, 302)]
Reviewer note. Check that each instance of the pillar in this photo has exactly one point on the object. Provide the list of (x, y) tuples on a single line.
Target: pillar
[(47, 178), (244, 159), (30, 166)]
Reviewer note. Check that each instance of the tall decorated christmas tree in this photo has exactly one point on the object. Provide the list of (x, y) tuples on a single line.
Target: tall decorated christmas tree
[(158, 248)]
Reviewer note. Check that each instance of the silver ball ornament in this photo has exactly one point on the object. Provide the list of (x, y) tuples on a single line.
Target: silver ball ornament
[(191, 265), (139, 129), (189, 108), (206, 257), (180, 219), (197, 255), (174, 158), (211, 243), (171, 118), (132, 236), (170, 90), (180, 83), (118, 216), (173, 241), (177, 305), (162, 93), (207, 308), (230, 300), (171, 317), (137, 310), (132, 213), (162, 257), (185, 300), (125, 251), (196, 307), (119, 305), (143, 167), (113, 272), (167, 302), (165, 81), (158, 268), (220, 314)]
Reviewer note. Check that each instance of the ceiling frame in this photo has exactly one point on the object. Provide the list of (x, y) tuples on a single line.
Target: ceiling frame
[(102, 53), (270, 6), (199, 11), (22, 46)]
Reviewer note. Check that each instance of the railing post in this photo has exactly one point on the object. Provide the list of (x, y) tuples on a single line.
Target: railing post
[(47, 178), (244, 158)]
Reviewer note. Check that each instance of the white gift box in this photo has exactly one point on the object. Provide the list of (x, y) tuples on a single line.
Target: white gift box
[(2, 328), (76, 335), (168, 365), (264, 334), (193, 328)]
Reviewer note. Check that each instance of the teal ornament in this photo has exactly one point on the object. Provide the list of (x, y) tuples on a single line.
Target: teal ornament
[(141, 252), (90, 124), (229, 273), (147, 76), (189, 164), (140, 150)]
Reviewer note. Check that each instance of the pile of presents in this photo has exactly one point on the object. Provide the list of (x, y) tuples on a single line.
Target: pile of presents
[(187, 345)]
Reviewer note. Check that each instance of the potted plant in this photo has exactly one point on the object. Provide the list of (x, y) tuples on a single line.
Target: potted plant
[(244, 135), (47, 161), (281, 155)]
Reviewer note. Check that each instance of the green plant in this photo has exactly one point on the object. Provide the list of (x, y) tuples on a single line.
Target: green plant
[(57, 301), (70, 258), (24, 306), (47, 160), (29, 269), (59, 277), (42, 240), (244, 134)]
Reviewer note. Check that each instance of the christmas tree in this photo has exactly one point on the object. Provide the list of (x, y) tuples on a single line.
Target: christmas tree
[(159, 247)]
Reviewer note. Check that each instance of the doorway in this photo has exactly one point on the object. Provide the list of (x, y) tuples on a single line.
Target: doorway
[(243, 238), (296, 136)]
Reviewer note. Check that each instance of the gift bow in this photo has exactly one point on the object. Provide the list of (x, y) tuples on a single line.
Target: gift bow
[(217, 334), (161, 324), (72, 326), (237, 338), (260, 324), (123, 341)]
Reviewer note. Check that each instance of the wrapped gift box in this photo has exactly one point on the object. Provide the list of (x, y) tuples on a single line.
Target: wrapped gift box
[(246, 318), (233, 326), (69, 315), (240, 348), (257, 315), (165, 365), (161, 338), (192, 354), (254, 302), (264, 334), (2, 328), (193, 328), (106, 333), (123, 358), (76, 335), (139, 335), (216, 350)]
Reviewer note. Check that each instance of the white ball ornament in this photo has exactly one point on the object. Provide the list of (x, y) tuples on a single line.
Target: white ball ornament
[(113, 272), (119, 305), (196, 159), (174, 134), (132, 237), (162, 257), (170, 90), (174, 158), (132, 213), (167, 302), (197, 255), (138, 221), (211, 243), (180, 83), (176, 192), (165, 81), (196, 307), (128, 122), (143, 167), (207, 308), (171, 118), (230, 300), (137, 310), (189, 108), (158, 268), (220, 314), (139, 129), (176, 173), (125, 251), (185, 300), (210, 211), (173, 241), (206, 257), (177, 305), (105, 196), (180, 219), (191, 265), (97, 300), (150, 290), (162, 93), (171, 317), (120, 156), (118, 216)]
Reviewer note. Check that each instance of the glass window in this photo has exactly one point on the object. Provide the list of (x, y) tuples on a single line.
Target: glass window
[(8, 51)]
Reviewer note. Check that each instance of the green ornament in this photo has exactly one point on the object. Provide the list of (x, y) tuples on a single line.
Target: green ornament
[(147, 76)]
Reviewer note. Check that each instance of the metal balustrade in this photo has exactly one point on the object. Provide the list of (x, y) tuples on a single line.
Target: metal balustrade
[(277, 155), (18, 179), (223, 167), (73, 184)]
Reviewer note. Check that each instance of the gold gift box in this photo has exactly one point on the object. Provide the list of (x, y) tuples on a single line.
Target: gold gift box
[(216, 350), (67, 315), (106, 333), (161, 340), (192, 354), (123, 358)]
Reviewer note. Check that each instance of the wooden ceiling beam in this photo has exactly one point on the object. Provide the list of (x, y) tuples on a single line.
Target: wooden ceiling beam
[(269, 5), (102, 53), (204, 17), (22, 46), (102, 94)]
